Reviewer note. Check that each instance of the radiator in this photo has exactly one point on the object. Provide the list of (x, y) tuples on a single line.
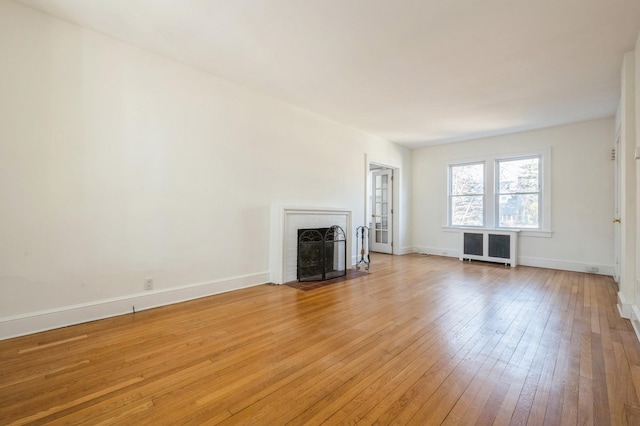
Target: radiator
[(489, 245)]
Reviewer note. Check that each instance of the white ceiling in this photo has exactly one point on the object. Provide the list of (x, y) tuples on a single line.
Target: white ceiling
[(417, 72)]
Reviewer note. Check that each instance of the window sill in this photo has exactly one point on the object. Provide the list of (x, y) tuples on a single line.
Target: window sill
[(537, 233)]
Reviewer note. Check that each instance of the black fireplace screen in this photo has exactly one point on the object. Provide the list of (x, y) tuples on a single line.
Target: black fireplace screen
[(322, 254)]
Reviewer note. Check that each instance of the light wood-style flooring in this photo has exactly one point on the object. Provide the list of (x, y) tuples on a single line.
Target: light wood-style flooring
[(421, 340)]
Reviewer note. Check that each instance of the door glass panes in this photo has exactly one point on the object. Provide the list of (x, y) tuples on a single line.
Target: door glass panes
[(381, 206), (466, 197), (519, 193)]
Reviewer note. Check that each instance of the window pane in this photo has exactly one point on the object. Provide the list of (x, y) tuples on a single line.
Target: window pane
[(518, 211), (467, 179), (467, 210), (519, 175)]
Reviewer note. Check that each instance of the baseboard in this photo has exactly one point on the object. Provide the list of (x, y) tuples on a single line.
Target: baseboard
[(624, 308), (406, 250), (530, 261), (437, 251), (635, 320), (21, 325), (566, 266)]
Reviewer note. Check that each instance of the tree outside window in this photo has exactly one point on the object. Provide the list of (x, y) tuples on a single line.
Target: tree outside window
[(518, 184), (466, 200)]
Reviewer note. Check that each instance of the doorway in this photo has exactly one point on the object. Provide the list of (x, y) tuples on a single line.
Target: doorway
[(380, 208)]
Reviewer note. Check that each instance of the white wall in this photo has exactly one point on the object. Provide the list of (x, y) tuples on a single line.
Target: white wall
[(581, 189), (117, 164)]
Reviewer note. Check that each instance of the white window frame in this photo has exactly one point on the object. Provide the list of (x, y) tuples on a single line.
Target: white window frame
[(490, 196), (450, 195), (497, 192)]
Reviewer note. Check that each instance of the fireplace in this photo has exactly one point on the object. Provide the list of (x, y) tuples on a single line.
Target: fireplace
[(285, 222), (322, 254)]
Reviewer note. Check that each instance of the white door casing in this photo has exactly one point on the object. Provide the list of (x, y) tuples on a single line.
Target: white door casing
[(382, 211), (616, 212)]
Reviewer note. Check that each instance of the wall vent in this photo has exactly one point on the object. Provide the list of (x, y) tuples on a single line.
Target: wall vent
[(489, 246)]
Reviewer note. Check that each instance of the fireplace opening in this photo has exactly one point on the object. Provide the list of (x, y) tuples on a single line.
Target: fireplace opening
[(322, 254)]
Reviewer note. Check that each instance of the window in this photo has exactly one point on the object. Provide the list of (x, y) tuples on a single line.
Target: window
[(518, 193), (466, 199), (511, 192)]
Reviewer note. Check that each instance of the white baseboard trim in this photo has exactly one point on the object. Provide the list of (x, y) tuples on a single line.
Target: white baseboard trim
[(437, 251), (624, 308), (406, 250), (565, 266), (529, 261), (635, 320), (20, 325)]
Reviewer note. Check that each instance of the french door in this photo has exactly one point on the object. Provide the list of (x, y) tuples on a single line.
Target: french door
[(381, 208)]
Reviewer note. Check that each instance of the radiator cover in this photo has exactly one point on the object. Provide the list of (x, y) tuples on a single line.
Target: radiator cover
[(489, 245)]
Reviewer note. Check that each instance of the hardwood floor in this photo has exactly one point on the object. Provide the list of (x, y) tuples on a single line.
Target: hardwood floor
[(421, 340)]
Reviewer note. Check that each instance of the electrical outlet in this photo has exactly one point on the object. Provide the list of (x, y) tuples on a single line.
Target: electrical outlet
[(148, 283)]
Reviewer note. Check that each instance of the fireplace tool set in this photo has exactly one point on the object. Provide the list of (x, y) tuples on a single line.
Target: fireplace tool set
[(362, 239)]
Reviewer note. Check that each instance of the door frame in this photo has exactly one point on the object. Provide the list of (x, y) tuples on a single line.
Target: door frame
[(370, 159), (617, 244), (374, 245)]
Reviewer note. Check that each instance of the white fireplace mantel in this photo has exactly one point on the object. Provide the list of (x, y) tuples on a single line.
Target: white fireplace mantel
[(285, 222)]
